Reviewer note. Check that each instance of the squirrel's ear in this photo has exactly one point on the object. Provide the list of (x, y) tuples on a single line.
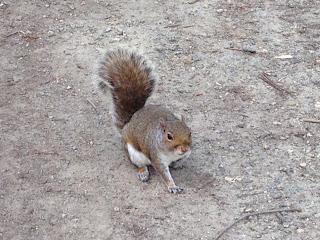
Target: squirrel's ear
[(162, 124)]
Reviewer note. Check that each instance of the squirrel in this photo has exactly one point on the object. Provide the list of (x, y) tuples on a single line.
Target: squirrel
[(152, 135)]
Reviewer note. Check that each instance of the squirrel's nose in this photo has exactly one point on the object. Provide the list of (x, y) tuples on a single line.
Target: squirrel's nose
[(185, 149)]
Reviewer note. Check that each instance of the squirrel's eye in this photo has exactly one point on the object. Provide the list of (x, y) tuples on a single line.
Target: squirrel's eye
[(170, 136)]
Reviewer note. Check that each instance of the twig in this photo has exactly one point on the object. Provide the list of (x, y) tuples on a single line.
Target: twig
[(37, 152), (30, 37), (178, 25), (213, 50), (193, 2), (256, 214), (187, 26), (14, 33), (243, 50), (311, 120), (172, 26), (264, 77), (92, 104), (11, 34)]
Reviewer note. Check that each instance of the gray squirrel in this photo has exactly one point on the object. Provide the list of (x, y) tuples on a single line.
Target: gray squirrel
[(151, 134)]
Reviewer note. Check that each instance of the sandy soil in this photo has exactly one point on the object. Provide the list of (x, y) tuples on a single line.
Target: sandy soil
[(63, 172)]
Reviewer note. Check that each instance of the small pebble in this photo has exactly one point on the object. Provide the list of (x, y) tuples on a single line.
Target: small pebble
[(246, 210), (276, 195), (69, 87), (240, 125), (303, 164), (300, 230), (50, 33), (291, 103)]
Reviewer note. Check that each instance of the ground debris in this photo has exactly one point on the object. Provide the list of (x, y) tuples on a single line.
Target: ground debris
[(245, 50), (264, 77), (284, 57), (311, 120), (256, 214)]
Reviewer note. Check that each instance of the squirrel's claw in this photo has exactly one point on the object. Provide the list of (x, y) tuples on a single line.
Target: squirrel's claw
[(175, 189), (143, 174)]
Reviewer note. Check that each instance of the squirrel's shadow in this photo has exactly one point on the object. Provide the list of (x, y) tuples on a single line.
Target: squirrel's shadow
[(190, 177)]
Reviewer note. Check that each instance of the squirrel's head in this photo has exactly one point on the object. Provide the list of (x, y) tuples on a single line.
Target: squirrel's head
[(176, 137)]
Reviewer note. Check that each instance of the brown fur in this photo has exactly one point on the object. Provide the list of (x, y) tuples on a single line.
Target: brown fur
[(130, 80), (140, 131)]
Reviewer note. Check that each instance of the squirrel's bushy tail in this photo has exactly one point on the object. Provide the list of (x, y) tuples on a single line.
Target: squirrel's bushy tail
[(130, 80)]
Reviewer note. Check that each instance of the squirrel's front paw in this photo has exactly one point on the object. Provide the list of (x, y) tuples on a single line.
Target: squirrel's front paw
[(143, 174), (175, 189)]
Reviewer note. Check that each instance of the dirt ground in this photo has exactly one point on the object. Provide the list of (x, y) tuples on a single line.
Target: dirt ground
[(64, 174)]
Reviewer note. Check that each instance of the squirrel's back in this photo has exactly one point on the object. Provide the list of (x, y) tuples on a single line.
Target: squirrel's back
[(130, 80)]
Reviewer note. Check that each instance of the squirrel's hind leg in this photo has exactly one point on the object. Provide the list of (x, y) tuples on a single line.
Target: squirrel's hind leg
[(141, 161)]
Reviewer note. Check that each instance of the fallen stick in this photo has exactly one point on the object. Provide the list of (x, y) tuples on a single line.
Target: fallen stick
[(37, 152), (256, 214), (178, 25), (14, 33), (243, 50), (92, 104), (188, 26), (172, 26), (311, 120), (264, 77), (193, 2)]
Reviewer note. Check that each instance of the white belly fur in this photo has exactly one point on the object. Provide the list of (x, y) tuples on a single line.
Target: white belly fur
[(137, 157), (168, 158)]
